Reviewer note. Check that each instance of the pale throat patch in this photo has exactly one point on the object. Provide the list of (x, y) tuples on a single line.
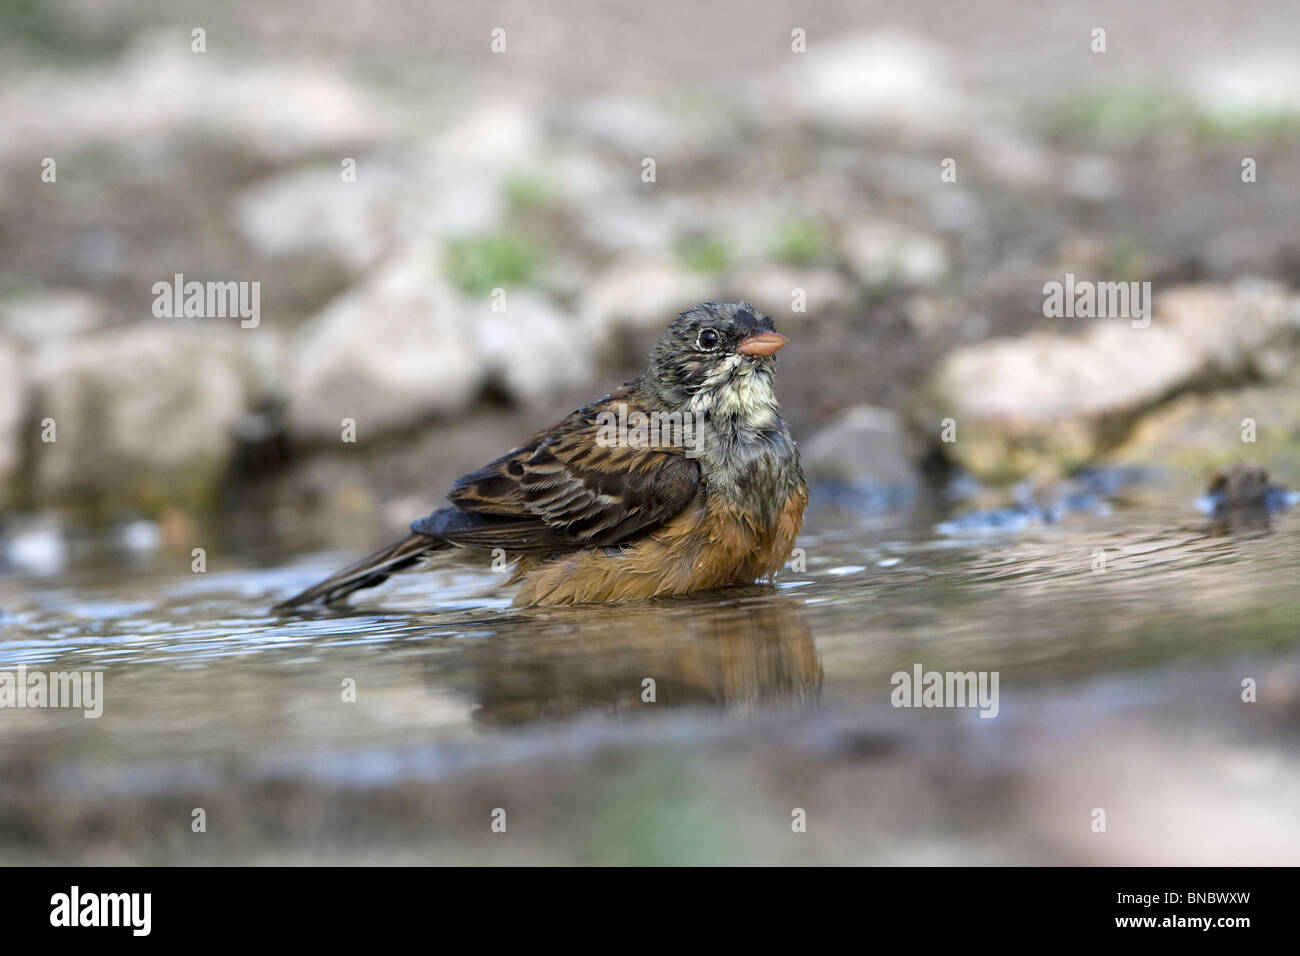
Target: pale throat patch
[(738, 390)]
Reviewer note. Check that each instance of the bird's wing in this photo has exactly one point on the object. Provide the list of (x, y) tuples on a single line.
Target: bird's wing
[(566, 490)]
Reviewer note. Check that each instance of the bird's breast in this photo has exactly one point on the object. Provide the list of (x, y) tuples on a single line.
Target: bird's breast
[(714, 543), (752, 472)]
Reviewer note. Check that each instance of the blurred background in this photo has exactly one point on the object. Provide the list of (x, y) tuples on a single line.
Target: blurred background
[(774, 171), (893, 183)]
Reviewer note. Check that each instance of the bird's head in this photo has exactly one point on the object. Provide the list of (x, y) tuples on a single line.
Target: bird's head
[(717, 358)]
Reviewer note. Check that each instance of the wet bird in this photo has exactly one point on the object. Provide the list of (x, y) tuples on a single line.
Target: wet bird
[(1241, 497), (683, 480)]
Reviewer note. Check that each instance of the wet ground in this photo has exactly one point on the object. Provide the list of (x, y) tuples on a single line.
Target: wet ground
[(1121, 638)]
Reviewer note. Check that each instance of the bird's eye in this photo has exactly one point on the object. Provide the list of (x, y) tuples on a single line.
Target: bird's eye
[(707, 340)]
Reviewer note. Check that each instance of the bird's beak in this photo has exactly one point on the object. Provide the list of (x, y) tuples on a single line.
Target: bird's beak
[(762, 342)]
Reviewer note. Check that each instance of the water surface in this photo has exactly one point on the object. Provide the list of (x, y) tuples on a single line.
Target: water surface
[(1119, 688)]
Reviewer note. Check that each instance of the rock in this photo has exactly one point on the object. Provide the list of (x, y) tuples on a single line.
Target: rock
[(139, 537), (1232, 327), (313, 210), (625, 225), (389, 354), (1095, 178), (143, 415), (771, 288), (37, 546), (1043, 401), (1239, 250), (1006, 154), (587, 179), (640, 295), (1196, 434), (453, 204), (1049, 403), (531, 349), (32, 319), (12, 400), (888, 79), (863, 451), (956, 210), (626, 125), (274, 112), (494, 136), (1232, 90), (943, 317), (885, 253)]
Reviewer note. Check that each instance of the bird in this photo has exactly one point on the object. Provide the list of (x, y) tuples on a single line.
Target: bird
[(1242, 497), (683, 480)]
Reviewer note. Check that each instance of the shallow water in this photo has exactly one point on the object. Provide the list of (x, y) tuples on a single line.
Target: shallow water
[(1119, 688)]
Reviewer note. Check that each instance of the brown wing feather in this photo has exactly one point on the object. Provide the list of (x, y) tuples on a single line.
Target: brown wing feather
[(563, 490)]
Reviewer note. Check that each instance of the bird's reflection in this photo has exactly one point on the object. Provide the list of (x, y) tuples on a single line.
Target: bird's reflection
[(633, 660)]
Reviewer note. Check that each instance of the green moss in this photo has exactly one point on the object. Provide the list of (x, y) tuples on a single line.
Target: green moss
[(51, 29), (1124, 114), (524, 191), (478, 264), (1263, 123), (1126, 259), (705, 254), (1129, 114), (15, 286), (800, 242)]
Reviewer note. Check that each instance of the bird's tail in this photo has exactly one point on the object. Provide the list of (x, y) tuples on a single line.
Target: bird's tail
[(367, 572)]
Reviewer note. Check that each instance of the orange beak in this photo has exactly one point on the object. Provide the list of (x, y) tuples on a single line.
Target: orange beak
[(762, 342)]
